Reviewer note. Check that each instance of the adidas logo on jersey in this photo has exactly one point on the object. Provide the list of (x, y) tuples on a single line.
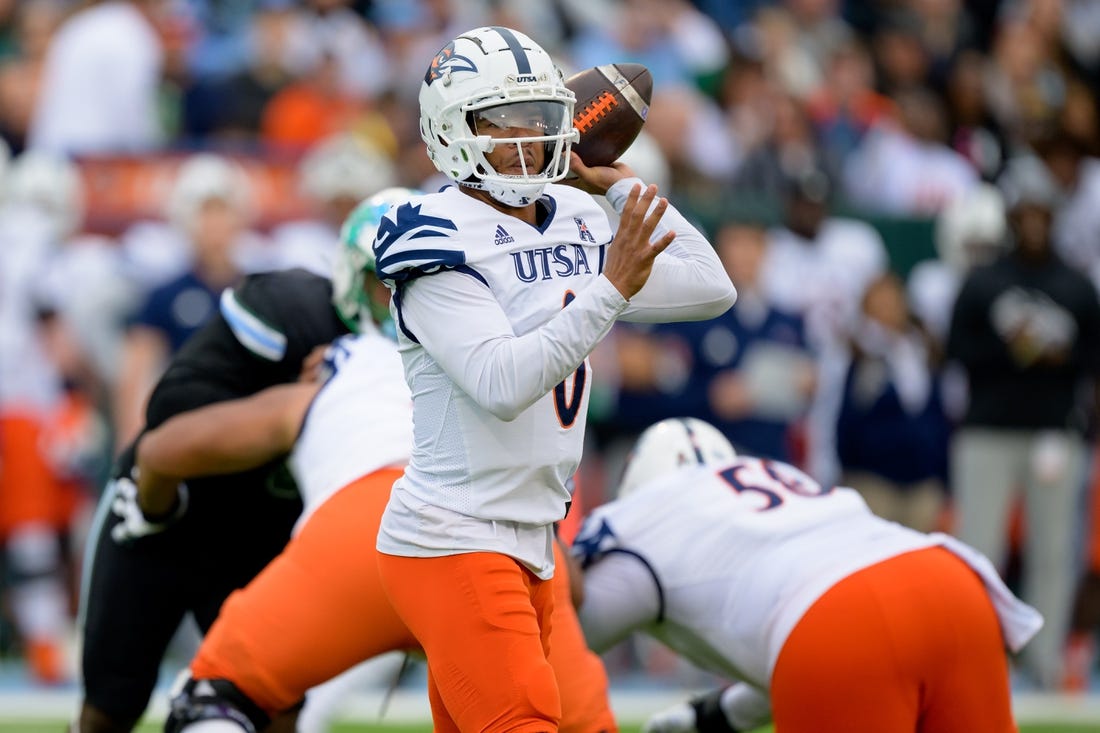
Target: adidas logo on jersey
[(502, 237)]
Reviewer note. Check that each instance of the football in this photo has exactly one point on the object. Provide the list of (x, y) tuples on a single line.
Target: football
[(612, 105)]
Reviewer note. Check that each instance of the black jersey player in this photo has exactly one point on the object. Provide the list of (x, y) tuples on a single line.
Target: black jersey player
[(148, 573)]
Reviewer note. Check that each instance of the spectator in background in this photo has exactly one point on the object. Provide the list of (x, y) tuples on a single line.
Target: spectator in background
[(678, 44), (753, 371), (969, 231), (1025, 88), (789, 151), (1026, 329), (685, 52), (846, 105), (892, 432), (230, 106), (220, 44), (901, 60), (817, 266), (744, 99), (790, 65), (335, 176), (308, 110), (363, 67), (21, 71), (100, 82), (210, 205), (945, 28), (695, 136), (903, 166), (819, 29), (973, 131), (1072, 170)]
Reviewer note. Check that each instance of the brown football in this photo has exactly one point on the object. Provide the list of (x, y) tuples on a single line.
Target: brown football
[(612, 104)]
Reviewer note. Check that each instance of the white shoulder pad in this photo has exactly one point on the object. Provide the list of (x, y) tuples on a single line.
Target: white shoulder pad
[(412, 241)]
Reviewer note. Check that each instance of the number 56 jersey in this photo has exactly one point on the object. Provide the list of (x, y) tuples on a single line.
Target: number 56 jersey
[(739, 553)]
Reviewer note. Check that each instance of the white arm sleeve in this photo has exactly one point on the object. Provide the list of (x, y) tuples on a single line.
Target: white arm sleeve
[(688, 281), (746, 707), (462, 326), (620, 595)]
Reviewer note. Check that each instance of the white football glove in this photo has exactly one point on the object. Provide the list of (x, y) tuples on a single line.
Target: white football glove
[(134, 525), (679, 718)]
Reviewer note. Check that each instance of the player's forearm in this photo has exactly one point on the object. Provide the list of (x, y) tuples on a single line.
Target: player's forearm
[(504, 373), (227, 437)]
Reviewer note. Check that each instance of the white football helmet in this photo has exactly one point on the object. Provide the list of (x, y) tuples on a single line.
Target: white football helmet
[(498, 73), (345, 165), (672, 444), (356, 258), (202, 177), (52, 185), (972, 227)]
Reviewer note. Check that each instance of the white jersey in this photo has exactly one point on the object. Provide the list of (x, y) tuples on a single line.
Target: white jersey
[(497, 361), (360, 421), (99, 85), (735, 555)]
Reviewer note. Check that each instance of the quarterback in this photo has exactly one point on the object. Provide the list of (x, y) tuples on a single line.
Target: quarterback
[(502, 285), (831, 618), (319, 608)]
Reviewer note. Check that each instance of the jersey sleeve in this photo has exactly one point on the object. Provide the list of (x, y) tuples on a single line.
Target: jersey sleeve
[(688, 281), (411, 242), (620, 596)]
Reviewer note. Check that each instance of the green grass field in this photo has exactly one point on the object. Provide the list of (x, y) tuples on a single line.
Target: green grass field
[(54, 727)]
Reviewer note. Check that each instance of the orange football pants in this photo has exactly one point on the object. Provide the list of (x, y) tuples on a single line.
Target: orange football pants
[(319, 609), (909, 645), (484, 622), (31, 491)]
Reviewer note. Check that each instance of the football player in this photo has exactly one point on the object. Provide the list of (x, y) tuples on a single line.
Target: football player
[(157, 557), (830, 618), (255, 663), (503, 284)]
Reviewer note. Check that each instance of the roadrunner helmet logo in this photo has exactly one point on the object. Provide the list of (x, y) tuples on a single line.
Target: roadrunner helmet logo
[(448, 61)]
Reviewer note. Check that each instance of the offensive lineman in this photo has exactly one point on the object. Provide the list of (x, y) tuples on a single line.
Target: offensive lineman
[(160, 557), (503, 284), (832, 619)]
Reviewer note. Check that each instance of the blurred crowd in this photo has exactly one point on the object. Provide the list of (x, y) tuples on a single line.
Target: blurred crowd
[(906, 194)]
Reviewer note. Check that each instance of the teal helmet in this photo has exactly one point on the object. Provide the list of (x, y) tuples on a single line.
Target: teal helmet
[(355, 259)]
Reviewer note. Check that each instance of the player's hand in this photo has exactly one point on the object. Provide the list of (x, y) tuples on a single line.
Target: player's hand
[(630, 257), (135, 524), (313, 365), (679, 718), (597, 179)]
